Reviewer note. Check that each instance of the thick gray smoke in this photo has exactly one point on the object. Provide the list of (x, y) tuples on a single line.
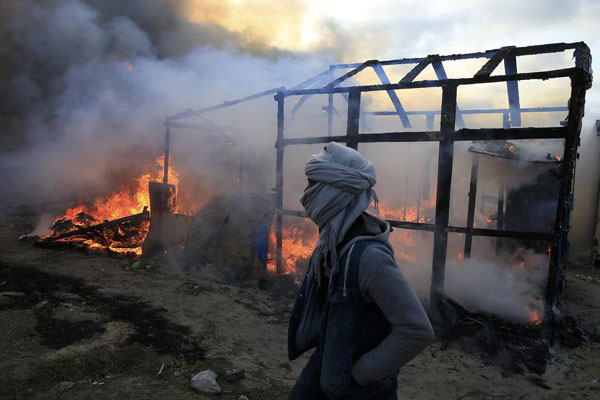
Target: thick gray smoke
[(85, 86)]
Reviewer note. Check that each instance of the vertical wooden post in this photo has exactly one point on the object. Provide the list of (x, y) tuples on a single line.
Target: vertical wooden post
[(565, 197), (353, 119), (444, 184), (279, 97), (167, 150), (472, 201), (500, 213)]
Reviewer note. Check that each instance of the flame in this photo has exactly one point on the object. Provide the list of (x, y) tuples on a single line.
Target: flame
[(128, 200), (300, 235), (299, 239), (459, 257), (535, 318), (558, 158), (128, 66)]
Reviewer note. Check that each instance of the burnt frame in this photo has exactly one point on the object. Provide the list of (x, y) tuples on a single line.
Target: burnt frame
[(580, 76)]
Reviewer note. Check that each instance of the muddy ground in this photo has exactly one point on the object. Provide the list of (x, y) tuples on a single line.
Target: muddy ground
[(71, 316)]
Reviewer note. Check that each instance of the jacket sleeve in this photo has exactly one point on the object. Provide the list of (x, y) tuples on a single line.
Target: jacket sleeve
[(382, 281)]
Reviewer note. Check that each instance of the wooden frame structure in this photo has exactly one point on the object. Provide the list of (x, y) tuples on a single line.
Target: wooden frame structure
[(451, 117)]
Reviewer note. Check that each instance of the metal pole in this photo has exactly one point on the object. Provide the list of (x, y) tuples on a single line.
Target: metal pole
[(444, 185), (279, 182)]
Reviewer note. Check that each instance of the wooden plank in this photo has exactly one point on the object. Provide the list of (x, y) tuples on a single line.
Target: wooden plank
[(471, 205), (440, 72), (493, 62), (444, 185), (417, 69), (565, 199), (353, 119), (436, 136), (225, 104), (166, 155), (543, 75), (279, 184), (351, 73)]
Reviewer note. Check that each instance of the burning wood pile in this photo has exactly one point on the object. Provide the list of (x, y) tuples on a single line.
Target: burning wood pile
[(115, 224)]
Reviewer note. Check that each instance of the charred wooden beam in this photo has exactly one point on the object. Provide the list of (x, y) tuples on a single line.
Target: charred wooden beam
[(353, 120), (351, 73), (565, 196), (417, 69), (543, 75), (279, 183), (437, 136), (474, 111), (143, 216), (166, 160), (225, 104), (440, 72), (393, 96), (493, 62), (419, 226), (444, 185), (518, 51), (471, 206)]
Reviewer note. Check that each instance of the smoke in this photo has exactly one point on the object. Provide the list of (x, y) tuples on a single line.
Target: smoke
[(90, 83)]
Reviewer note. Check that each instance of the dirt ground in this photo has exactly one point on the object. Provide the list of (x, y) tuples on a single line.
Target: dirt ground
[(70, 316)]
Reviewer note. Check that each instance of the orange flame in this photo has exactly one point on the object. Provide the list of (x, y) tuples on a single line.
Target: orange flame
[(130, 199), (535, 318)]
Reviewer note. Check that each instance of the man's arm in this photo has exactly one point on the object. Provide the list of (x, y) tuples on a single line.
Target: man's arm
[(381, 281)]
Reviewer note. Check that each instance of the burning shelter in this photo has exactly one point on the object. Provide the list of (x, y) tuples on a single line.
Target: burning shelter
[(233, 217)]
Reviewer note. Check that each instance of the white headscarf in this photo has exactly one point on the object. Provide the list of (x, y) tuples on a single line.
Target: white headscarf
[(343, 190)]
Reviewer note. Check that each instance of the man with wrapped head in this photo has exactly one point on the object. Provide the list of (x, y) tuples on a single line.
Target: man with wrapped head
[(354, 305)]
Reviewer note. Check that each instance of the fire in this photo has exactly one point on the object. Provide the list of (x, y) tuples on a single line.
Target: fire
[(535, 318), (459, 257), (129, 200), (410, 214), (300, 236)]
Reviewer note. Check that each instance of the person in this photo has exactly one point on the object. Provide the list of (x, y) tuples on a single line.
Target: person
[(354, 305)]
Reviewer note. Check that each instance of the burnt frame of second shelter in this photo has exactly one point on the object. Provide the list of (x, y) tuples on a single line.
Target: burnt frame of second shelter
[(450, 116)]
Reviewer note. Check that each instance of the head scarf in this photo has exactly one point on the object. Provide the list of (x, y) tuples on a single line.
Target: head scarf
[(341, 192)]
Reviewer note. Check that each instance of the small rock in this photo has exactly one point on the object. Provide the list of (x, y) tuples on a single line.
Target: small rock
[(594, 381), (177, 374), (242, 397), (206, 382), (266, 310), (149, 267), (64, 386), (234, 375), (12, 294), (41, 304)]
